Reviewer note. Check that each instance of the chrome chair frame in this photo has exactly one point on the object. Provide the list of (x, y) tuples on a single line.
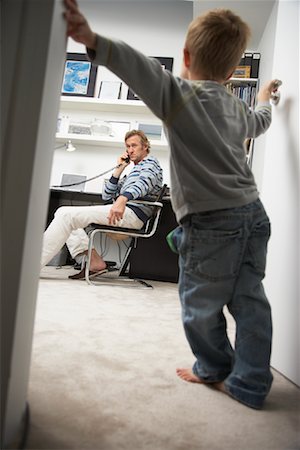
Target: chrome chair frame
[(146, 232)]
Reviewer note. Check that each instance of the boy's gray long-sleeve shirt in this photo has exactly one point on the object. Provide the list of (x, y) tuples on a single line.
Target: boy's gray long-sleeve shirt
[(206, 128)]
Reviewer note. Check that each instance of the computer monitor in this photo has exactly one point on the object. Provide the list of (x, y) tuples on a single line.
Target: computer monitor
[(68, 179)]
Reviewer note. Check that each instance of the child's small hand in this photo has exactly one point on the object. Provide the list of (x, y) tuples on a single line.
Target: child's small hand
[(77, 25), (267, 89)]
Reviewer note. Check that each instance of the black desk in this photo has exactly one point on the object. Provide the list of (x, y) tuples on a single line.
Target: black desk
[(152, 259), (59, 197)]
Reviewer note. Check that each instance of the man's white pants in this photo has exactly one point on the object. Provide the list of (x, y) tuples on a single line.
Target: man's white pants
[(68, 225)]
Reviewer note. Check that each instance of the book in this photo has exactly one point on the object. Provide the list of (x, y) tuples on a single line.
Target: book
[(255, 65), (248, 59), (248, 62)]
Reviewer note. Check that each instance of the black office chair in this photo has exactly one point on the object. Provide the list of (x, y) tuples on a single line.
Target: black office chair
[(118, 278)]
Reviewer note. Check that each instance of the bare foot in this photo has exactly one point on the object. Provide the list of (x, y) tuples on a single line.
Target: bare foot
[(97, 263), (188, 375)]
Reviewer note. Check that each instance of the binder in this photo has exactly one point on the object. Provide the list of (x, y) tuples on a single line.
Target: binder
[(255, 65), (242, 61), (248, 60)]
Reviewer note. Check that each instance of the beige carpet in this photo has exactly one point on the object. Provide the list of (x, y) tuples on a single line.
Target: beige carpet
[(103, 377)]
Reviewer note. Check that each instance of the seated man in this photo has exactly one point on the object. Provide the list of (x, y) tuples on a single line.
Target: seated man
[(69, 221)]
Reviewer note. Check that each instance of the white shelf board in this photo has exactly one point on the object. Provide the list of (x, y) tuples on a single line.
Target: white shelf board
[(95, 104), (103, 141), (242, 80)]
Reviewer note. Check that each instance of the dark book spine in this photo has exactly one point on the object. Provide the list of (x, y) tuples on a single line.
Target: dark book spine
[(255, 65)]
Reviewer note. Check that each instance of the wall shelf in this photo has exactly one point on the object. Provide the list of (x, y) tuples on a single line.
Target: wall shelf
[(104, 141), (94, 104), (253, 81), (244, 88), (131, 111)]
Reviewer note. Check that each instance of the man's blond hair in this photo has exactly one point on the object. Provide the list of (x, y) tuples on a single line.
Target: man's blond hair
[(216, 41), (144, 140)]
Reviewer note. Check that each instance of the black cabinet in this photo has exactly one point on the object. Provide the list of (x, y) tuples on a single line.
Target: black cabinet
[(152, 259)]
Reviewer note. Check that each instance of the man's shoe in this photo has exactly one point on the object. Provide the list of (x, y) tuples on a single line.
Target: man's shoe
[(109, 265), (81, 275)]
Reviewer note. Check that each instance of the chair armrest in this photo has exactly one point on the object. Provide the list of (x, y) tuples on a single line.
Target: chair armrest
[(143, 232), (145, 202)]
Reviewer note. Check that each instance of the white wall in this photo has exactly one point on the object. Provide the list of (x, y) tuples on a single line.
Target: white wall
[(278, 155), (266, 48), (156, 29)]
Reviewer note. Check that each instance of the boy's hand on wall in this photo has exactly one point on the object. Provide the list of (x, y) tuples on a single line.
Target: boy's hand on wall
[(77, 25), (267, 89)]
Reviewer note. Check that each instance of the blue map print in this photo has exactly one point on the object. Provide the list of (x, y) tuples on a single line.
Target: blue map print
[(76, 77)]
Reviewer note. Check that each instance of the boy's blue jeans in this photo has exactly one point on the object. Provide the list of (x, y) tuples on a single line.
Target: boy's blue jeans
[(222, 262)]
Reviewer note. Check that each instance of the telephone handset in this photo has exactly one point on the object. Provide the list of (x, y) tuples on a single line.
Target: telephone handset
[(126, 160)]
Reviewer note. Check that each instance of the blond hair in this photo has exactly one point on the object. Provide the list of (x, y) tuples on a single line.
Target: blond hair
[(216, 41), (144, 140)]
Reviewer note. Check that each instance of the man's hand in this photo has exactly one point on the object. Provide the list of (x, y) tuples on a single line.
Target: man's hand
[(267, 89), (124, 159), (122, 164), (77, 25), (117, 210)]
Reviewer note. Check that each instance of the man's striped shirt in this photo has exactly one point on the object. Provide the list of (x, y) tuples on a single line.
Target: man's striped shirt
[(145, 179)]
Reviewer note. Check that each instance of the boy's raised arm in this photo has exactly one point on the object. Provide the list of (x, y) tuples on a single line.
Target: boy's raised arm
[(77, 25), (265, 92)]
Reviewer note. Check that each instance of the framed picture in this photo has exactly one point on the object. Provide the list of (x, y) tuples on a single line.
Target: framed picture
[(131, 95), (110, 90), (166, 63), (119, 129), (152, 131), (79, 76)]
